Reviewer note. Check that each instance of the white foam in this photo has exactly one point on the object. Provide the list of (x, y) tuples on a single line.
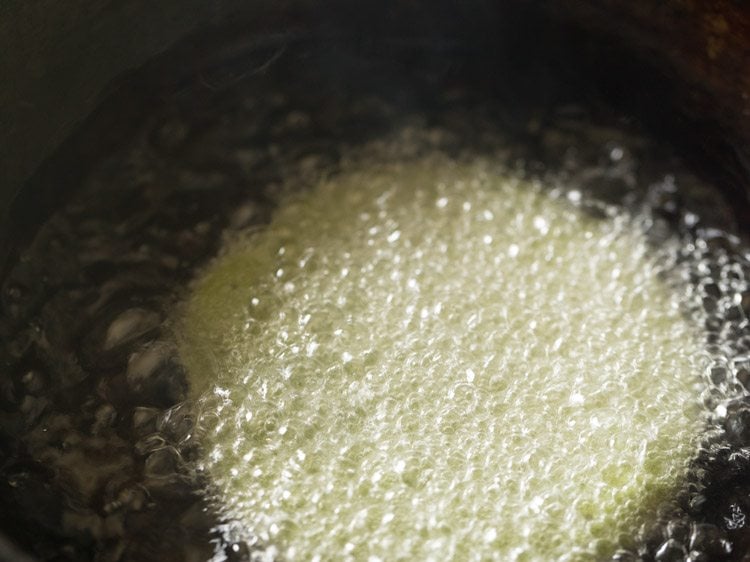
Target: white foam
[(496, 376)]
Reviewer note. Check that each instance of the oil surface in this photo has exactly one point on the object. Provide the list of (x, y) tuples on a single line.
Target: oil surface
[(432, 359), (103, 449)]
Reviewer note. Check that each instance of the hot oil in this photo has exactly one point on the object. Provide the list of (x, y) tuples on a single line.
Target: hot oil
[(119, 446)]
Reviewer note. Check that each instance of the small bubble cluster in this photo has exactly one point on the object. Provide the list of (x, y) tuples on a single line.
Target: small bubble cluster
[(436, 360)]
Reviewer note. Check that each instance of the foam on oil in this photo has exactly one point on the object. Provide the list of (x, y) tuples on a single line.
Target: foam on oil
[(434, 360)]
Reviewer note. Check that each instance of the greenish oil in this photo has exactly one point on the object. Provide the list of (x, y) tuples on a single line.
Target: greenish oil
[(436, 360)]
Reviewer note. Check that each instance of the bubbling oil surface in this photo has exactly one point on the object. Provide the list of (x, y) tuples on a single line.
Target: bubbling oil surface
[(435, 360)]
